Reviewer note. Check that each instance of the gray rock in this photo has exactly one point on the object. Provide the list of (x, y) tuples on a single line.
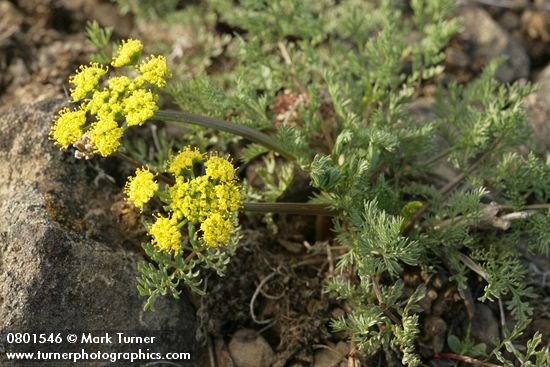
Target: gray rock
[(64, 265), (488, 41), (10, 21), (10, 26), (334, 356), (484, 324), (250, 349), (435, 328), (538, 108), (543, 85)]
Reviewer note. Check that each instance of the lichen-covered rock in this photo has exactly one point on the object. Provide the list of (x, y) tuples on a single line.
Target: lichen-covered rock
[(64, 265)]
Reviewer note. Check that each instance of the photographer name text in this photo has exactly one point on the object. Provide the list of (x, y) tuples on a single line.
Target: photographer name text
[(116, 338)]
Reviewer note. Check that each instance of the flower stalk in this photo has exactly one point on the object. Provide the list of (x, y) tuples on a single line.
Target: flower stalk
[(289, 208), (246, 132)]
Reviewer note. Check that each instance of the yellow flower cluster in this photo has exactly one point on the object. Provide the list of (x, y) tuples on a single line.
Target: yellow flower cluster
[(123, 102), (128, 53), (166, 235), (197, 198), (184, 160), (200, 197), (86, 80), (105, 134), (211, 199), (216, 230), (139, 107), (118, 85), (154, 70), (67, 128), (220, 169), (141, 188)]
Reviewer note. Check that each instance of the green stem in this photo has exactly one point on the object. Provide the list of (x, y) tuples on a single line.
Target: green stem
[(289, 208), (244, 131)]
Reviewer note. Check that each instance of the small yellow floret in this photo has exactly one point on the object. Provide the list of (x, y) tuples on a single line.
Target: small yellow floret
[(184, 160), (141, 188), (105, 105), (67, 128), (166, 236), (216, 230), (154, 70), (99, 102), (139, 107), (85, 80), (228, 197), (128, 53), (218, 168), (193, 199), (198, 198), (119, 84), (105, 134)]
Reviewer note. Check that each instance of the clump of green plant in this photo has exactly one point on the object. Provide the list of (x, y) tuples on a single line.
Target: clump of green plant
[(321, 86), (203, 207), (197, 226)]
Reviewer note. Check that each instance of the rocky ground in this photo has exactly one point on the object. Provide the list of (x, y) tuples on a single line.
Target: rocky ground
[(64, 238)]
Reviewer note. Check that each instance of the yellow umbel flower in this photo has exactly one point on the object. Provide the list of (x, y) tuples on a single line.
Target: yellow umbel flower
[(218, 168), (125, 101), (154, 70), (67, 128), (139, 107), (198, 198), (166, 236), (128, 53), (85, 80), (228, 197), (184, 160), (99, 104), (193, 199), (119, 84), (105, 134), (105, 105), (216, 230), (141, 188)]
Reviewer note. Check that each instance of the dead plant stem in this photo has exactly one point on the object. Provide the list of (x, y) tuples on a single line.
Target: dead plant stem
[(467, 359)]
